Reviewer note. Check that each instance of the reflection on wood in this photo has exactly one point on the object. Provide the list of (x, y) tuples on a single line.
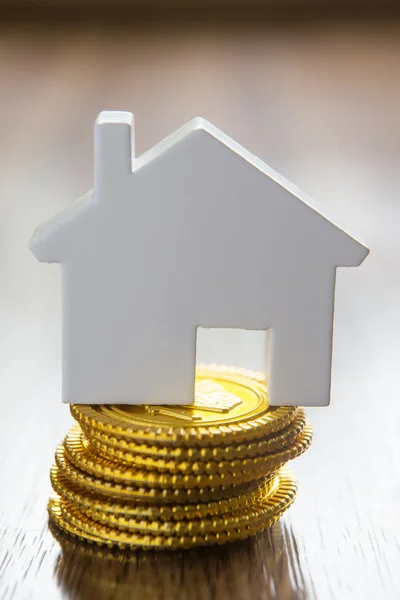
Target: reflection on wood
[(265, 566)]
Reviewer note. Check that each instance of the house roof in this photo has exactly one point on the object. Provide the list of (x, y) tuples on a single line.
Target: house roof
[(50, 228), (203, 124)]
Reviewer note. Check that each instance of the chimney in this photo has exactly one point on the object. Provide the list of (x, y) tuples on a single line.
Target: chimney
[(114, 149)]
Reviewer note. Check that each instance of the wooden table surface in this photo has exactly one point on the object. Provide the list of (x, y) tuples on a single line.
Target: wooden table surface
[(320, 104)]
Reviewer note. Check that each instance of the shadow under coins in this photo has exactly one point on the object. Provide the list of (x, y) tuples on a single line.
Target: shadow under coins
[(265, 566)]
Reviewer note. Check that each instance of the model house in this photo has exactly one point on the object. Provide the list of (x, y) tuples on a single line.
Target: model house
[(196, 232)]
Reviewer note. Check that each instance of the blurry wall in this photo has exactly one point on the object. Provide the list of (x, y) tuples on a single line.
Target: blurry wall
[(318, 6)]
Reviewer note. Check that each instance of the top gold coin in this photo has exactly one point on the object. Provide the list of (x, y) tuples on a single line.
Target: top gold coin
[(230, 406)]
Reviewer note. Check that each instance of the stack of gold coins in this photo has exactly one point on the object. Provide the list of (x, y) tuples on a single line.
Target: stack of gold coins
[(172, 477)]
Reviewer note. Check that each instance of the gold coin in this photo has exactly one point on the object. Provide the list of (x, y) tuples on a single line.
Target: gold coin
[(277, 500), (229, 408), (144, 494), (54, 511), (70, 519), (235, 472), (122, 449), (114, 538), (247, 466), (88, 501)]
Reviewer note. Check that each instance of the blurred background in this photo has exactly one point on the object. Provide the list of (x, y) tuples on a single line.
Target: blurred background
[(313, 89)]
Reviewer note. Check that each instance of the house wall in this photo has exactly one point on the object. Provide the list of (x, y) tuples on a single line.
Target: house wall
[(300, 345), (197, 237)]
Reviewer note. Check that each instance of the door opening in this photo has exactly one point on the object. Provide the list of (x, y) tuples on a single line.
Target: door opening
[(233, 347)]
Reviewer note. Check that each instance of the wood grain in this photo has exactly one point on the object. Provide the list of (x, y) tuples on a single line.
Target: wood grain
[(318, 103)]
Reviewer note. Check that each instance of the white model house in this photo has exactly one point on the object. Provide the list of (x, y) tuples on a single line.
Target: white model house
[(196, 232)]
